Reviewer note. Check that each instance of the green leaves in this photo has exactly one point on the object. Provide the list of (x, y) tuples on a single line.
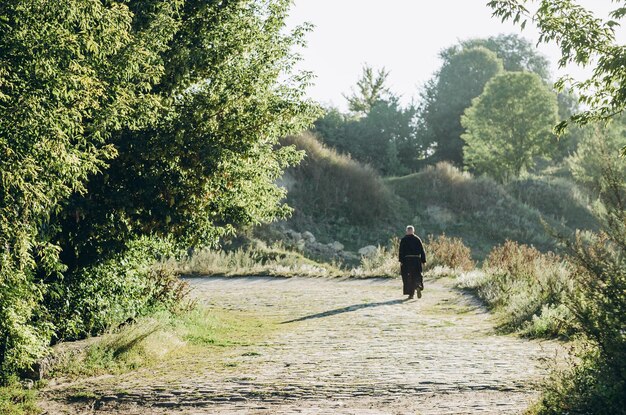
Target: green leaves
[(509, 125), (585, 40), (461, 78), (371, 89), (124, 120)]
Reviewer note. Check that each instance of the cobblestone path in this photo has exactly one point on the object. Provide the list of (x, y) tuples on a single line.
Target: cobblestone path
[(343, 347)]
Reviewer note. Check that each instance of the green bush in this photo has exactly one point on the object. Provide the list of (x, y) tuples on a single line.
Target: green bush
[(337, 198), (443, 199), (334, 185), (15, 400), (110, 133), (595, 382), (118, 289), (557, 198)]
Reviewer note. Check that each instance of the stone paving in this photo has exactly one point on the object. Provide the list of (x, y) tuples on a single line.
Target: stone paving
[(343, 347)]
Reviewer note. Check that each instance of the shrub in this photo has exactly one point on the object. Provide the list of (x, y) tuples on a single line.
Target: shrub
[(15, 400), (443, 199), (525, 288), (557, 198), (328, 184), (595, 382), (120, 288), (448, 252)]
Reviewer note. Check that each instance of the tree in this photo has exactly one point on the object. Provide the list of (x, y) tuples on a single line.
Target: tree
[(371, 89), (63, 90), (124, 120), (509, 125), (517, 53), (462, 78), (598, 152), (585, 40), (594, 384), (384, 138)]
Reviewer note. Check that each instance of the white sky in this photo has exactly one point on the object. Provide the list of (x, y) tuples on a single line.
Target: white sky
[(404, 36)]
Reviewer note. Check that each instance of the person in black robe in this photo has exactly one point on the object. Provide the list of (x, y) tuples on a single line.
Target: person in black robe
[(412, 256)]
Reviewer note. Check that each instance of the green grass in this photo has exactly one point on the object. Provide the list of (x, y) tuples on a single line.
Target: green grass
[(16, 400), (157, 339)]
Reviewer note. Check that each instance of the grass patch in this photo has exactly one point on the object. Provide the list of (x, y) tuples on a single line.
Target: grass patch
[(258, 259), (525, 289), (16, 400), (159, 338)]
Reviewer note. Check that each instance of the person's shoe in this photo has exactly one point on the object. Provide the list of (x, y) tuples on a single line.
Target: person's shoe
[(419, 293)]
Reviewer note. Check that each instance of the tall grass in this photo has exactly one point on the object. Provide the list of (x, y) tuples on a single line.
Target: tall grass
[(331, 184), (338, 198), (382, 263), (556, 197), (442, 253), (443, 199), (258, 259), (525, 288), (17, 400)]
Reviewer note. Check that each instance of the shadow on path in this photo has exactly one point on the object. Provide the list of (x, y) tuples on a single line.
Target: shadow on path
[(347, 309)]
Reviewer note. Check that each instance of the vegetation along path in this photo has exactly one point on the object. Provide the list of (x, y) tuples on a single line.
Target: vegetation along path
[(336, 346)]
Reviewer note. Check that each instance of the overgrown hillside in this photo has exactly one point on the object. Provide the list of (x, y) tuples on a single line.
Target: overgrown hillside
[(337, 198)]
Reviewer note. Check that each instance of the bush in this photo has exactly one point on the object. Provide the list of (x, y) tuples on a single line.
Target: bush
[(525, 288), (15, 400), (448, 252), (120, 288), (557, 198), (595, 382), (327, 184)]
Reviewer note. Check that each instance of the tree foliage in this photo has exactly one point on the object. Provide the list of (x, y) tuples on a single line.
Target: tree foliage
[(462, 78), (509, 125), (598, 151), (379, 131), (122, 120), (370, 89), (584, 40), (385, 137), (517, 54)]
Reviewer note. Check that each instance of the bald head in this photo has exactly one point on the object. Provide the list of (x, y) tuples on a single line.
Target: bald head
[(410, 230)]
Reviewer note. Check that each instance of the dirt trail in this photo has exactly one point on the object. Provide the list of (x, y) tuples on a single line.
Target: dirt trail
[(344, 347)]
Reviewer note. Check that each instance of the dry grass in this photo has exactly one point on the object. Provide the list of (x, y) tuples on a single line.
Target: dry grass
[(257, 260), (450, 252), (524, 288)]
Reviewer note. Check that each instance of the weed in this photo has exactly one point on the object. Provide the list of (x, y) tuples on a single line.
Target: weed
[(16, 400)]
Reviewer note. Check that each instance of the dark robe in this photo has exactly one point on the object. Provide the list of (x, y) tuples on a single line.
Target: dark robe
[(412, 256)]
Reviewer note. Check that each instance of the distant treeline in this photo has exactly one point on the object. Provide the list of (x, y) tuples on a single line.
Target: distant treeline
[(490, 108)]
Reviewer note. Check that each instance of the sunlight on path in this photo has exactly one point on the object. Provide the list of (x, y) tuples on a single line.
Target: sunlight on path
[(343, 347)]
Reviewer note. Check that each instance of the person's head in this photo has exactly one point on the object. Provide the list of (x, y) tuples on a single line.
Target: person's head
[(410, 230)]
